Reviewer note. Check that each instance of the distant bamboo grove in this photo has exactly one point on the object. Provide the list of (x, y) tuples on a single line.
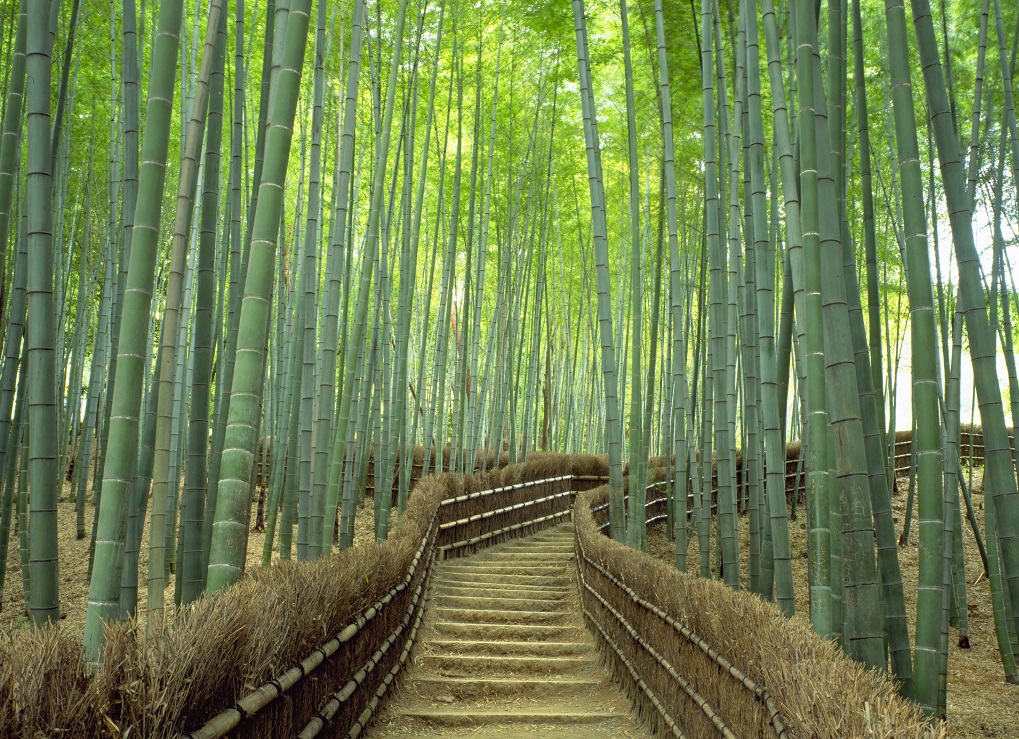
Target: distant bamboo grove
[(254, 253)]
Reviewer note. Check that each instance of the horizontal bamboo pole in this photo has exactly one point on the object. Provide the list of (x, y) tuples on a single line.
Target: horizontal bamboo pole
[(358, 726), (706, 708), (498, 532), (255, 701), (249, 705), (492, 491), (647, 506), (670, 722), (747, 682), (336, 701), (504, 509)]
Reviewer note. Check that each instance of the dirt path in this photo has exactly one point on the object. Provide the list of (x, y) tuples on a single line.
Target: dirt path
[(504, 652)]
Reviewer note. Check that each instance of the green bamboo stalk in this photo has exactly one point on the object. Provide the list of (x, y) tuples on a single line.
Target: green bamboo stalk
[(679, 346), (129, 203), (138, 503), (649, 398), (764, 254), (953, 577), (693, 434), (324, 429), (704, 509), (472, 289), (856, 556), (44, 599), (871, 387), (181, 389), (415, 229), (343, 429), (1007, 70), (973, 164), (9, 146), (127, 384), (169, 351), (1000, 481), (76, 360), (600, 232), (14, 348), (7, 500), (822, 617), (291, 423), (351, 461), (718, 292), (534, 350), (869, 236), (240, 257), (102, 392), (308, 545), (927, 441), (437, 412), (24, 525), (230, 526), (383, 340), (282, 351), (636, 526), (191, 575), (61, 97), (999, 594)]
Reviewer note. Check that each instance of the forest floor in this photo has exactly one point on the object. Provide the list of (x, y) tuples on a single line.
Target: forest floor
[(980, 702), (73, 567)]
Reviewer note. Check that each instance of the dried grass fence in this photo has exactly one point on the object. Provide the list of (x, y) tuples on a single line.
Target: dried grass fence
[(299, 649), (657, 498), (701, 660), (485, 459), (971, 451)]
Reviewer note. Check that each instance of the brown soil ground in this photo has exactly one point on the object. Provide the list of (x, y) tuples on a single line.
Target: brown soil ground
[(980, 702), (73, 564)]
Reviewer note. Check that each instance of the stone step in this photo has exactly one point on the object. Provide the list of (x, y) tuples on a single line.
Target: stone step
[(455, 689), (470, 589), (510, 648), (478, 602), (506, 572), (464, 665), (509, 566), (503, 654), (607, 729), (500, 616), (458, 629), (526, 556), (527, 545), (556, 580), (523, 717)]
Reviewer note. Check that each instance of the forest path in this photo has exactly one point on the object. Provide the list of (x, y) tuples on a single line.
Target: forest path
[(503, 652)]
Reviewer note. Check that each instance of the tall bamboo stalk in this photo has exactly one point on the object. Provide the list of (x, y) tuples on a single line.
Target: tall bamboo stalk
[(1000, 479), (196, 482), (617, 520), (44, 599), (764, 254)]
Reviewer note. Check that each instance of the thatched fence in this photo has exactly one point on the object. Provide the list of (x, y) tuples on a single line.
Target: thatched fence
[(297, 649), (312, 648), (702, 660)]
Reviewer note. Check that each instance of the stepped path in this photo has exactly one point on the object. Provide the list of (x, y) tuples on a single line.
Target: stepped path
[(503, 652)]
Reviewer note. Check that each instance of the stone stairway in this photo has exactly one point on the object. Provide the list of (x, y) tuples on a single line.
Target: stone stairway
[(503, 652)]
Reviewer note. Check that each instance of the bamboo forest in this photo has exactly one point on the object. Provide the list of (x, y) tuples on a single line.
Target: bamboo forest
[(554, 368)]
